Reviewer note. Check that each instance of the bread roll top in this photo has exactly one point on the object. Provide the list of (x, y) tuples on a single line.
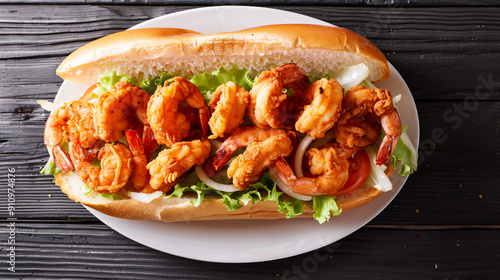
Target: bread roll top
[(142, 53)]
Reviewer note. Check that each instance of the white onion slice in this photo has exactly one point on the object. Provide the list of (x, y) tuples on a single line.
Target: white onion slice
[(414, 154), (396, 99), (377, 175), (144, 197), (299, 155), (352, 76), (285, 188), (48, 106), (211, 183)]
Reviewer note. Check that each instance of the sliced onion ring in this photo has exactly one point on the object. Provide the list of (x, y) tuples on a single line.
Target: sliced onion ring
[(145, 197), (285, 188), (211, 183), (382, 182), (299, 155)]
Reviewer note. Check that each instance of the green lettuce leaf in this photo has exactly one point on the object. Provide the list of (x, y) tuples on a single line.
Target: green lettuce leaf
[(292, 208), (50, 168), (324, 205), (150, 85), (87, 190), (208, 82), (403, 154), (109, 80), (110, 196), (199, 188), (264, 190), (230, 202)]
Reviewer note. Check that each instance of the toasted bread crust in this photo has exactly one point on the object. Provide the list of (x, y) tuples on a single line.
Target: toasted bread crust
[(145, 52)]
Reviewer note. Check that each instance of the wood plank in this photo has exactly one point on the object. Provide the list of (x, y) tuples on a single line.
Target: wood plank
[(445, 49), (369, 3), (431, 74), (73, 250)]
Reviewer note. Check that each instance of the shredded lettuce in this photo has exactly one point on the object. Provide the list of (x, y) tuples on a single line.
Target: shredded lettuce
[(324, 205)]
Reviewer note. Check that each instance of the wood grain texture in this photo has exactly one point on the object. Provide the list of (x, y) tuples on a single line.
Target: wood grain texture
[(71, 250), (440, 98), (447, 214), (369, 3)]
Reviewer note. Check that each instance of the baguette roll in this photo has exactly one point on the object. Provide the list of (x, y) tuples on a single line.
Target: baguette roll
[(144, 53), (181, 209)]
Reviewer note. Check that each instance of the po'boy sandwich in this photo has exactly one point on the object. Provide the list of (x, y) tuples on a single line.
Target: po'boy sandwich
[(269, 122)]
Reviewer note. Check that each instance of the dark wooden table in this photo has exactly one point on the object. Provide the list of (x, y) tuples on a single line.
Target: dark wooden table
[(444, 224)]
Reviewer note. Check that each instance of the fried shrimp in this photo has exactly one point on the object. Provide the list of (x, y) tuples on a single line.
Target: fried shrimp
[(363, 110), (266, 95), (73, 121), (171, 163), (330, 172), (247, 167), (140, 176), (118, 110), (325, 100), (241, 137), (168, 123), (116, 167), (228, 105)]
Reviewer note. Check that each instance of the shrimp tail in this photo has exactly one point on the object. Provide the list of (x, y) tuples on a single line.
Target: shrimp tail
[(302, 186), (148, 141), (391, 123), (386, 148), (204, 117), (134, 142), (284, 171), (209, 167), (62, 159), (222, 156)]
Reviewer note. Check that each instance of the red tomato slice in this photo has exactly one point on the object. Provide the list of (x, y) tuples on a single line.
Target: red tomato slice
[(358, 176)]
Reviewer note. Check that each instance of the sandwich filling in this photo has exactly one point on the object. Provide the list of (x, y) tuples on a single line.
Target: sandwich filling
[(279, 136)]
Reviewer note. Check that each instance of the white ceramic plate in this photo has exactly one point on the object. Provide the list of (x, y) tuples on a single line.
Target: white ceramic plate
[(250, 241)]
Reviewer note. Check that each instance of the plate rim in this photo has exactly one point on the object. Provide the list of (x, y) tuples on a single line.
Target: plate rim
[(116, 223)]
